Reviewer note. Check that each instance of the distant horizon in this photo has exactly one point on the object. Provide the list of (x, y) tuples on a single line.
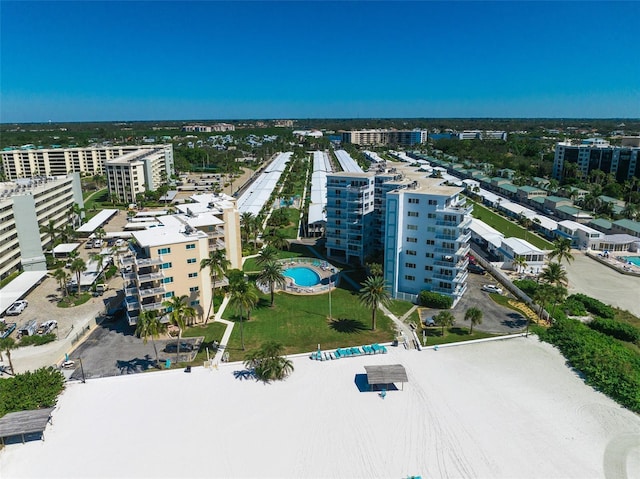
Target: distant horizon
[(314, 60)]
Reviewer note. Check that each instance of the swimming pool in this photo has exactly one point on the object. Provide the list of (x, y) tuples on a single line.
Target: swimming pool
[(633, 259), (302, 276)]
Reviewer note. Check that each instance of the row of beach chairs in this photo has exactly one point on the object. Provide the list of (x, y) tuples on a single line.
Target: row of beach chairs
[(348, 352)]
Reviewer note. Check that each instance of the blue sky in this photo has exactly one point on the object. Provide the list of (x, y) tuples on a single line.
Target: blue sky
[(82, 61)]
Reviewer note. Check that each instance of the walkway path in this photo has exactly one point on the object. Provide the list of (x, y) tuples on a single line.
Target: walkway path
[(217, 359), (402, 327)]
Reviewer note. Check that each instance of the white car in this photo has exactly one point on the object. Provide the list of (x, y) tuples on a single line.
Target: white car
[(490, 288), (120, 243), (17, 307)]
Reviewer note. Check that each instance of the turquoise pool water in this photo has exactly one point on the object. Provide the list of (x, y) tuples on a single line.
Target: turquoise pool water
[(302, 276), (633, 259)]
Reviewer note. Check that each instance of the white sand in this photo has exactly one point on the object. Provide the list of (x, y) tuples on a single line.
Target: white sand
[(507, 409)]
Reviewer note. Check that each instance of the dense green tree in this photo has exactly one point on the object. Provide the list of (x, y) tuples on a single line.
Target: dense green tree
[(78, 266), (561, 250), (243, 297), (554, 274), (474, 315), (271, 274), (218, 264), (444, 319), (268, 363), (180, 314), (150, 326)]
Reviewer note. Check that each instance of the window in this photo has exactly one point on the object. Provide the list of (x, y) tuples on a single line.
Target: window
[(431, 229), (431, 215), (195, 303), (194, 289), (411, 252), (164, 251), (169, 294), (166, 265), (430, 242), (411, 239), (413, 214), (414, 201), (428, 255), (428, 268), (412, 227), (167, 280), (433, 202), (191, 260), (408, 277), (427, 280), (191, 246), (410, 265), (193, 275)]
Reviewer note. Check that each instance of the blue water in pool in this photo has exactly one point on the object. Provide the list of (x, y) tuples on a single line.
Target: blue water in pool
[(302, 276), (633, 259)]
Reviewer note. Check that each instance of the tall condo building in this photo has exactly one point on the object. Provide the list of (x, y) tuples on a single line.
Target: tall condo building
[(420, 225), (27, 206), (384, 137), (582, 158)]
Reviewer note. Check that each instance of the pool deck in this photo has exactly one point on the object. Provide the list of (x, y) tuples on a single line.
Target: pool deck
[(323, 269), (613, 262)]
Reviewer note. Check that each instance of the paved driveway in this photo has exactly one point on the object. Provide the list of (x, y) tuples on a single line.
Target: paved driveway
[(496, 319)]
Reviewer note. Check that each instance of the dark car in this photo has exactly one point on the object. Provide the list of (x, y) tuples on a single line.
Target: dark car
[(184, 347), (474, 268)]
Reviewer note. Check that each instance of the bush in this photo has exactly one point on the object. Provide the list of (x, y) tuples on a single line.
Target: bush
[(606, 364), (595, 307), (574, 307), (435, 300), (31, 390), (527, 286), (37, 340), (616, 329)]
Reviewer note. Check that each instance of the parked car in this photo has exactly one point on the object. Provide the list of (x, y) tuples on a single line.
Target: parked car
[(97, 243), (184, 347), (28, 329), (48, 326), (490, 288), (430, 321), (474, 268), (17, 307), (119, 242)]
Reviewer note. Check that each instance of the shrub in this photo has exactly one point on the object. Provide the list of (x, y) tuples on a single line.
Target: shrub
[(527, 286), (435, 300), (31, 390), (616, 329), (606, 364), (574, 307), (37, 339), (595, 307)]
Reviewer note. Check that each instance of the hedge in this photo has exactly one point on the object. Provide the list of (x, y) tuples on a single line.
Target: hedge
[(435, 300), (616, 329), (595, 307), (31, 390), (527, 286), (606, 364), (37, 339)]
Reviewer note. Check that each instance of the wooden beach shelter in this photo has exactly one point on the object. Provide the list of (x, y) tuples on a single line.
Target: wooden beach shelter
[(24, 423), (386, 374)]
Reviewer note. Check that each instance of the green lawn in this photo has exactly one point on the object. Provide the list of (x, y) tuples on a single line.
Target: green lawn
[(300, 323), (452, 335), (507, 227), (291, 231), (211, 332), (250, 263), (399, 307)]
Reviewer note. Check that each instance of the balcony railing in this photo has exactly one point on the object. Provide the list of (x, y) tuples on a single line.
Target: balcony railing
[(145, 293), (152, 306), (142, 262), (143, 278)]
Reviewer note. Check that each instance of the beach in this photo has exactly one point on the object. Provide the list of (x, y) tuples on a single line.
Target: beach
[(500, 409)]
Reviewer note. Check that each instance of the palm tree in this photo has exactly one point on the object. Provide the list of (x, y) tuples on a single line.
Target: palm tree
[(277, 239), (271, 274), (375, 269), (520, 262), (51, 231), (247, 221), (179, 314), (373, 294), (149, 325), (100, 233), (99, 259), (78, 266), (474, 315), (444, 319), (554, 274), (6, 345), (243, 298), (267, 254), (218, 264), (562, 250), (268, 363), (62, 277)]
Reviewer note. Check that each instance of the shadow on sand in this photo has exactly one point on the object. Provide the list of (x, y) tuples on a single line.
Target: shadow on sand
[(363, 385)]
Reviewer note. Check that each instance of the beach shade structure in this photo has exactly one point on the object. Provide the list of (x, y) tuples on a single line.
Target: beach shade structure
[(24, 425), (386, 375)]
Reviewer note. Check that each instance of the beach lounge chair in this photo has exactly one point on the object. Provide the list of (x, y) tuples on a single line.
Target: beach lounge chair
[(346, 352), (376, 348), (356, 351), (336, 353), (367, 349), (383, 349), (326, 356), (332, 356)]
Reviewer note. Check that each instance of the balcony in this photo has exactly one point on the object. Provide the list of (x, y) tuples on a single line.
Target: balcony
[(133, 291), (132, 303), (460, 209), (145, 293), (143, 262), (143, 278), (152, 306)]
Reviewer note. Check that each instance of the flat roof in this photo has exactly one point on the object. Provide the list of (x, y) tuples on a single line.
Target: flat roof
[(386, 374), (520, 246), (97, 221), (65, 248), (18, 287)]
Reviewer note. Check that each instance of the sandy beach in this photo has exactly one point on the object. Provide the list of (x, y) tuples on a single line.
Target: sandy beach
[(503, 409)]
